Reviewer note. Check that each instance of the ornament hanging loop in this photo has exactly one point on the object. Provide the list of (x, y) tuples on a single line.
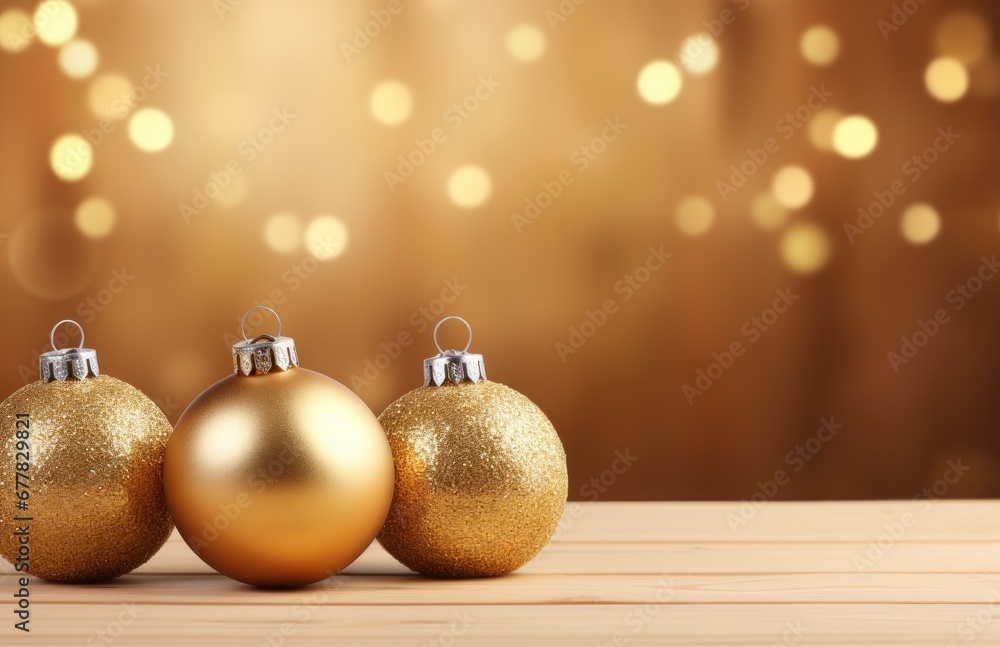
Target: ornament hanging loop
[(61, 364), (264, 352), (243, 323), (453, 366), (52, 334), (467, 327)]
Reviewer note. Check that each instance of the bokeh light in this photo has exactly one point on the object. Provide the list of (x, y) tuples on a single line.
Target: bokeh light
[(56, 22), (283, 232), (71, 157), (616, 128), (78, 59), (108, 96), (855, 137), (391, 103), (821, 128), (766, 212), (694, 215), (526, 43), (326, 237), (95, 217), (469, 187), (820, 45), (151, 130), (659, 82), (963, 35), (805, 248), (946, 79), (792, 187), (920, 223), (16, 30), (699, 54)]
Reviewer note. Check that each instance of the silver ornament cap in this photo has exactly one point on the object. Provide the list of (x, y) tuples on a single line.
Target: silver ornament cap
[(263, 353), (61, 364), (453, 366)]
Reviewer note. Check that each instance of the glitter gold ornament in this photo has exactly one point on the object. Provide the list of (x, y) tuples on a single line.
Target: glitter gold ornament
[(80, 472), (277, 476), (481, 476)]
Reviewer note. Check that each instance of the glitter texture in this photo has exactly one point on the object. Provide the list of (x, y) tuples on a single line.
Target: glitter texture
[(481, 479), (97, 502)]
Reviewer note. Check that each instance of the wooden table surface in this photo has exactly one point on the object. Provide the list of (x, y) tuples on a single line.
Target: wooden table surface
[(873, 573)]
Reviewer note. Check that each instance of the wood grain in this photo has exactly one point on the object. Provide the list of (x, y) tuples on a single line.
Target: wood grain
[(615, 574)]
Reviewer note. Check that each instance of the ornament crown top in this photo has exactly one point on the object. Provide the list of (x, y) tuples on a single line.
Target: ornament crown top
[(453, 366), (60, 364), (259, 355)]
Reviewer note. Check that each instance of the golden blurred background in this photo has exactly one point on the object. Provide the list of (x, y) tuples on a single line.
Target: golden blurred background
[(734, 249)]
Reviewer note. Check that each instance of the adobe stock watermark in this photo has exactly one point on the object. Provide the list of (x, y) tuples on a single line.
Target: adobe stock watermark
[(752, 330), (976, 623), (912, 170), (225, 7), (562, 12), (927, 329), (899, 15), (116, 627), (371, 29), (793, 633), (292, 280), (122, 106), (419, 320), (579, 162), (90, 307), (796, 460), (594, 489), (599, 485), (785, 129), (28, 372), (167, 406), (303, 612), (454, 630), (248, 150), (621, 292), (635, 621), (894, 531), (454, 117), (18, 39)]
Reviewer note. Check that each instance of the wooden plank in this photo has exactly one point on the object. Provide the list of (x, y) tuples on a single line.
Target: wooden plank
[(686, 557), (706, 523), (699, 624), (617, 573), (828, 521), (767, 558), (409, 590)]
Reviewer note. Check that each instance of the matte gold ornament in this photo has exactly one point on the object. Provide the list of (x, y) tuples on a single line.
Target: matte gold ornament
[(81, 493), (277, 476), (481, 477)]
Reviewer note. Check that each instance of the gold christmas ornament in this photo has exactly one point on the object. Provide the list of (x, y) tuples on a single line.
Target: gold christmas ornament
[(481, 477), (80, 472), (277, 476)]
